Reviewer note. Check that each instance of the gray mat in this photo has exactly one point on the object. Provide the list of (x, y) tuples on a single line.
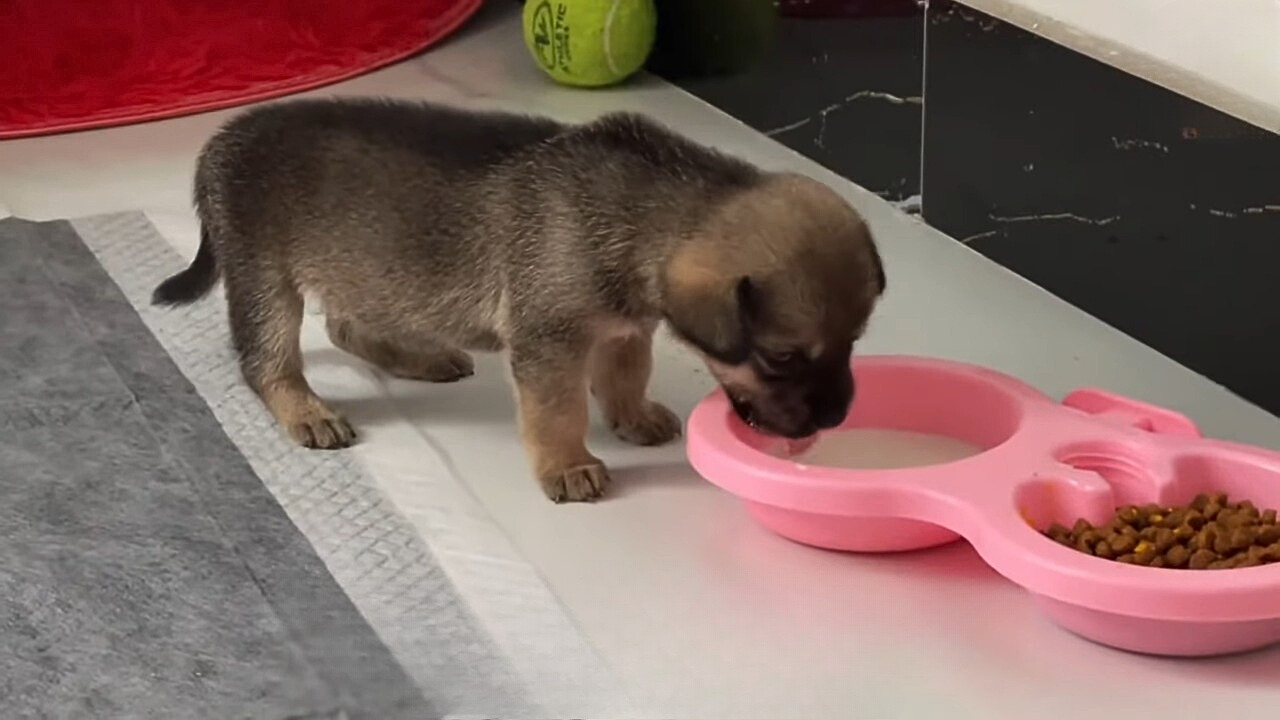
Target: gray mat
[(145, 571)]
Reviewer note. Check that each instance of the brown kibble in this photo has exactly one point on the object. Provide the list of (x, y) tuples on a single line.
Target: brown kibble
[(1145, 553), (1200, 559), (1269, 534), (1121, 544), (1196, 519), (1177, 557), (1116, 524), (1209, 533), (1232, 519), (1272, 552), (1242, 537), (1131, 516), (1222, 543), (1205, 539), (1164, 540)]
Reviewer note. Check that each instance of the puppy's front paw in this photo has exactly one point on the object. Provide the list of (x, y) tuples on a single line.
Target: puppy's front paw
[(321, 430), (653, 424), (584, 483)]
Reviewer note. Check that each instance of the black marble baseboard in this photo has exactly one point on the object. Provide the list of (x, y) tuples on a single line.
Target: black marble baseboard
[(1153, 212), (845, 92)]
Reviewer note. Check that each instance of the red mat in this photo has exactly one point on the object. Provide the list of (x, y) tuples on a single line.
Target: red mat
[(77, 64)]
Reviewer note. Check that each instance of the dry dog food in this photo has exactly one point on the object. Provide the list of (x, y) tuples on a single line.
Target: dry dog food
[(1212, 533)]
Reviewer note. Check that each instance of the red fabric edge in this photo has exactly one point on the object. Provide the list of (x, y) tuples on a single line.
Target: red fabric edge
[(460, 14)]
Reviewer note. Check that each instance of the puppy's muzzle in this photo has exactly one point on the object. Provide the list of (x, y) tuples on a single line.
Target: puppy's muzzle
[(822, 408), (744, 410)]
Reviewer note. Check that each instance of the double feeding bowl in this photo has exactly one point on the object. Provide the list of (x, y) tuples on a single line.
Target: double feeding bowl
[(1040, 462)]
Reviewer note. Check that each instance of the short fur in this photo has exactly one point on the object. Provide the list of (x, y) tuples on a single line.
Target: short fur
[(427, 231)]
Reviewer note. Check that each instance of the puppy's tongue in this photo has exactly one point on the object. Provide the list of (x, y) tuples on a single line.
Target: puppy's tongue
[(797, 447)]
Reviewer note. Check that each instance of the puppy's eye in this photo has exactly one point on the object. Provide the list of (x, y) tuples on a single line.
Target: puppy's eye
[(780, 362)]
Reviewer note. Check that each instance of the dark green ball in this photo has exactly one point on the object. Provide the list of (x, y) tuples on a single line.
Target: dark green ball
[(711, 37)]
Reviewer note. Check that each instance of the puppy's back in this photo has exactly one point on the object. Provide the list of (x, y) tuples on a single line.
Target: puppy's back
[(298, 153), (449, 136)]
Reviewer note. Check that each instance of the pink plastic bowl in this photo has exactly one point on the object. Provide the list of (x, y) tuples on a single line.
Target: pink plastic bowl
[(1042, 462)]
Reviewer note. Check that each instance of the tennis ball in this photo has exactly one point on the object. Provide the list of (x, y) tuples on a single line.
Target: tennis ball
[(589, 43)]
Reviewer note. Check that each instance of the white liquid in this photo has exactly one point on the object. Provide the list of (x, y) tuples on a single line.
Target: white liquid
[(877, 449)]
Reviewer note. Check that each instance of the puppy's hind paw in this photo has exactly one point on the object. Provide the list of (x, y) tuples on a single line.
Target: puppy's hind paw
[(445, 365), (653, 424), (577, 484)]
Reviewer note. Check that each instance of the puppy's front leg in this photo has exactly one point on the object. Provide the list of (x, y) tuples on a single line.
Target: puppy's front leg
[(620, 370), (551, 390)]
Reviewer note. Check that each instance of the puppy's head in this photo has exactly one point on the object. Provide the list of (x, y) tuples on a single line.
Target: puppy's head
[(773, 291)]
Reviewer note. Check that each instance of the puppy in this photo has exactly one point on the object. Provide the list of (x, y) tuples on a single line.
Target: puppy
[(426, 232)]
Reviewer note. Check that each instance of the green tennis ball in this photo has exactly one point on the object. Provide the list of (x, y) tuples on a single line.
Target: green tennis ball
[(589, 43)]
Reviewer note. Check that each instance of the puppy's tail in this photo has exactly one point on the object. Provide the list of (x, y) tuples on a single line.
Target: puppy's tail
[(193, 283)]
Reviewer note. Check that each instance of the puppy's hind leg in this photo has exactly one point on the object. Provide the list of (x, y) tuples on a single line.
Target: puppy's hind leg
[(266, 320), (422, 360), (620, 370)]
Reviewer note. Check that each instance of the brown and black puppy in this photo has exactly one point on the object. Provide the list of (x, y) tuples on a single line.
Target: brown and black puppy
[(426, 232)]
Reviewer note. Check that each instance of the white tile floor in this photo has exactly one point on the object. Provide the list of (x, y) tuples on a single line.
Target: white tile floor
[(697, 611)]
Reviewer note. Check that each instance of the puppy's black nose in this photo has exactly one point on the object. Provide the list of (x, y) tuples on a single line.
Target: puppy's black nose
[(829, 417), (831, 408)]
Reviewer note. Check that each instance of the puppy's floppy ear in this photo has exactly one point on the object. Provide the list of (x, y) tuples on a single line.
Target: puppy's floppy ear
[(709, 311)]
